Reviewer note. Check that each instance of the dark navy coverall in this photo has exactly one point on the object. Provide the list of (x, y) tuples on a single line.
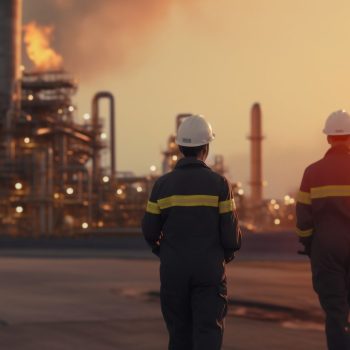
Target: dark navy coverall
[(323, 225), (191, 224)]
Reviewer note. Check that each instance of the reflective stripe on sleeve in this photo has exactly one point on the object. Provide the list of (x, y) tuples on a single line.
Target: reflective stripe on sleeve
[(226, 206), (304, 197), (330, 191), (188, 201), (304, 233), (152, 208)]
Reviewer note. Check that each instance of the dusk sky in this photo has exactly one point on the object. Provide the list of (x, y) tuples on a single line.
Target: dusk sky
[(216, 58)]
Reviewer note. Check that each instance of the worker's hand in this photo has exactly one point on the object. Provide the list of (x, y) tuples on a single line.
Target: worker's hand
[(229, 256), (156, 250)]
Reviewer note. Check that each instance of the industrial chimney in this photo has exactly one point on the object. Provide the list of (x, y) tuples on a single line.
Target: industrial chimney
[(256, 182), (10, 54)]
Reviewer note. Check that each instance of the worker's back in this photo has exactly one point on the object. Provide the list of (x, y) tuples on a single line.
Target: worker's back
[(326, 188), (188, 199)]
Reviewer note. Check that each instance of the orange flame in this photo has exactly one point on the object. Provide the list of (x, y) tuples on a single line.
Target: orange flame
[(37, 39)]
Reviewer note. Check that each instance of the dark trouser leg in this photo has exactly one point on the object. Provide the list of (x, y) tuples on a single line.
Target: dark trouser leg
[(209, 307), (176, 311), (331, 287)]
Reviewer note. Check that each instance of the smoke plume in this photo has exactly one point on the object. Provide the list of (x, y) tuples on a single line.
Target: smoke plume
[(94, 36)]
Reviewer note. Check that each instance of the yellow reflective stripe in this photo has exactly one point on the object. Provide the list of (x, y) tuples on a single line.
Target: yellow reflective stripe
[(330, 191), (188, 201), (226, 206), (152, 208), (304, 233), (304, 197)]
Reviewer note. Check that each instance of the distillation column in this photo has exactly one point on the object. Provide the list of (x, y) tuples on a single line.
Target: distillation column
[(256, 182), (10, 55)]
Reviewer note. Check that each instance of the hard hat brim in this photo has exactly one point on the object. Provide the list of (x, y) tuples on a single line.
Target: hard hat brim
[(179, 143)]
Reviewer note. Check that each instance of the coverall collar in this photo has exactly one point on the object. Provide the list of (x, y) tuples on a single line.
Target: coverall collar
[(190, 162), (339, 149)]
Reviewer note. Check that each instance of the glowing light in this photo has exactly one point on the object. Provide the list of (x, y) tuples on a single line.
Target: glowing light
[(292, 201), (26, 140), (100, 224), (287, 198), (273, 201), (19, 209), (119, 191), (70, 190), (103, 136), (28, 118), (105, 179), (37, 39), (60, 111), (86, 116), (85, 225), (174, 158), (22, 68), (241, 192), (18, 186), (276, 206), (277, 221), (71, 108), (290, 217), (30, 97), (153, 168), (139, 189), (56, 195)]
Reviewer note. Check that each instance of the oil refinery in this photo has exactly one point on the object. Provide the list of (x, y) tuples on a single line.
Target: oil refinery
[(51, 174)]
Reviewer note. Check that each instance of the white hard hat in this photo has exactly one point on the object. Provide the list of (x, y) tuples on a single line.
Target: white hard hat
[(194, 131), (338, 123)]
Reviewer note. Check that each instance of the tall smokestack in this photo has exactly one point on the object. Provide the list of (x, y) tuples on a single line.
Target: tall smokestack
[(256, 138), (10, 54)]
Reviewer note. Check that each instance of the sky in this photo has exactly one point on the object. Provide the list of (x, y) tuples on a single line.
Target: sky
[(212, 57)]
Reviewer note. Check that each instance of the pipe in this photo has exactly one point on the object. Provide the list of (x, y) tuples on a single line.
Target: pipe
[(256, 138), (95, 123)]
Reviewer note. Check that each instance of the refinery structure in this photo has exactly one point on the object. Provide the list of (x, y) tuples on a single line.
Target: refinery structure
[(52, 180)]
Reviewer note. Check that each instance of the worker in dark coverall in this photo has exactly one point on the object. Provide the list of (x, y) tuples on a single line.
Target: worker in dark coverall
[(191, 224), (323, 225)]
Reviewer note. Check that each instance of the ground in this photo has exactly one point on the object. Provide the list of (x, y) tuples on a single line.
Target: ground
[(108, 301)]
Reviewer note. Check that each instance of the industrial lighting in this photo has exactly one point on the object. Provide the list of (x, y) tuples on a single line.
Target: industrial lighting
[(105, 179), (30, 97), (70, 190), (174, 157), (26, 140), (103, 136), (18, 186), (86, 116), (85, 225), (19, 209), (139, 189), (119, 191), (153, 168), (277, 221), (71, 108), (241, 192)]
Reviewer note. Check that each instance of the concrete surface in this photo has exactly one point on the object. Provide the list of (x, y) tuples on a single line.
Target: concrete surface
[(102, 304)]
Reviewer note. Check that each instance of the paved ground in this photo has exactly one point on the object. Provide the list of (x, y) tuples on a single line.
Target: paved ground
[(102, 304)]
